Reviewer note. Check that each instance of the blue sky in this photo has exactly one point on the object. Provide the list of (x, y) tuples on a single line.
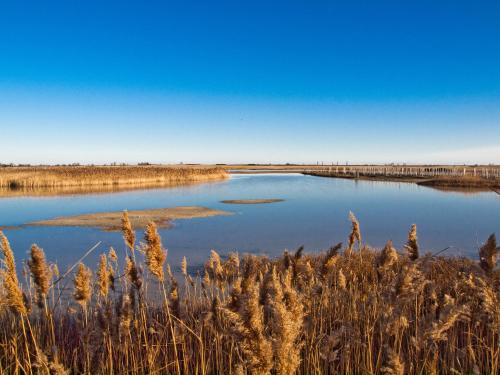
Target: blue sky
[(256, 81)]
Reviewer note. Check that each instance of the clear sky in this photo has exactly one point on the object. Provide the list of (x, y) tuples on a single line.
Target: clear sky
[(250, 81)]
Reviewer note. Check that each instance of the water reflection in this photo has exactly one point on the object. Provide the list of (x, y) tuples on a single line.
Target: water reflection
[(314, 213), (88, 189)]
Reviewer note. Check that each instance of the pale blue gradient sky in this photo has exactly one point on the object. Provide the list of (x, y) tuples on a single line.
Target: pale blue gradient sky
[(225, 83)]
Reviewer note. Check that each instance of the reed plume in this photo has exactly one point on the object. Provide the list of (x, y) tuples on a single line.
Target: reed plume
[(133, 273), (103, 276), (40, 273), (125, 315), (371, 312), (155, 255), (341, 280), (82, 283), (231, 267), (112, 255), (14, 294), (355, 234), (128, 232), (412, 245), (388, 256), (249, 331), (488, 254), (285, 323), (184, 266)]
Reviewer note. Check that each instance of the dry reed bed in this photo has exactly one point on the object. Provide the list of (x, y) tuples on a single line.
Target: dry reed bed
[(60, 177), (348, 310)]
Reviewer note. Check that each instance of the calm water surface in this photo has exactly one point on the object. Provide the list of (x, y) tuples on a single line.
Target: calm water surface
[(314, 214)]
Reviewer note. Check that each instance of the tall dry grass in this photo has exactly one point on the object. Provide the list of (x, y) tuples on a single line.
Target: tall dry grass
[(338, 312), (103, 176)]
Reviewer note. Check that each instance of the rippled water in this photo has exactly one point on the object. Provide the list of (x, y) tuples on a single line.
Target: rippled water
[(314, 214)]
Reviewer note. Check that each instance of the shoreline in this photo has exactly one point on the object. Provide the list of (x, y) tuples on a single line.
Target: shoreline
[(437, 182)]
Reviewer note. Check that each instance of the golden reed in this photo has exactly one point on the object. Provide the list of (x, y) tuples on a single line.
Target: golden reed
[(103, 176), (336, 312)]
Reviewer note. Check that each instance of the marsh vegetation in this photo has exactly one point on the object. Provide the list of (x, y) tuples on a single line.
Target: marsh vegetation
[(72, 177), (348, 310)]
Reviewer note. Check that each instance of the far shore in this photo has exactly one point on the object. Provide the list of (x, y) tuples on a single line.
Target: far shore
[(71, 179), (111, 221), (474, 177), (55, 180), (437, 182)]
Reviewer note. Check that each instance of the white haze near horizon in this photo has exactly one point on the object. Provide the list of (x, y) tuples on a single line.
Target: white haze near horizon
[(46, 125)]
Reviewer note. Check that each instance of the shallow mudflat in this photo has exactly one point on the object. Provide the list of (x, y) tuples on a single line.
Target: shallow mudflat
[(251, 201), (140, 218)]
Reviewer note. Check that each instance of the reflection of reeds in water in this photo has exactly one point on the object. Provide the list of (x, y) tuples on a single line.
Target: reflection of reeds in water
[(72, 180), (366, 312), (82, 190)]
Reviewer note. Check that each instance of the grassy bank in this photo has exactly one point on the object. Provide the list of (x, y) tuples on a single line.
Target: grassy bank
[(103, 176), (438, 181), (348, 310), (465, 182)]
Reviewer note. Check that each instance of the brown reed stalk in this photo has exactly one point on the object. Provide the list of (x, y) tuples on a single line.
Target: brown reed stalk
[(393, 364)]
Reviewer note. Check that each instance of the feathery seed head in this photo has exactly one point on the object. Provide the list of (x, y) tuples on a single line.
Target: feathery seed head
[(128, 232), (184, 266), (412, 245), (112, 255), (82, 282), (355, 234), (488, 254), (14, 294), (155, 255), (103, 278), (40, 273)]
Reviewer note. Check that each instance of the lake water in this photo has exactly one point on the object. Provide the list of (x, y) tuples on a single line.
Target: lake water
[(314, 214)]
